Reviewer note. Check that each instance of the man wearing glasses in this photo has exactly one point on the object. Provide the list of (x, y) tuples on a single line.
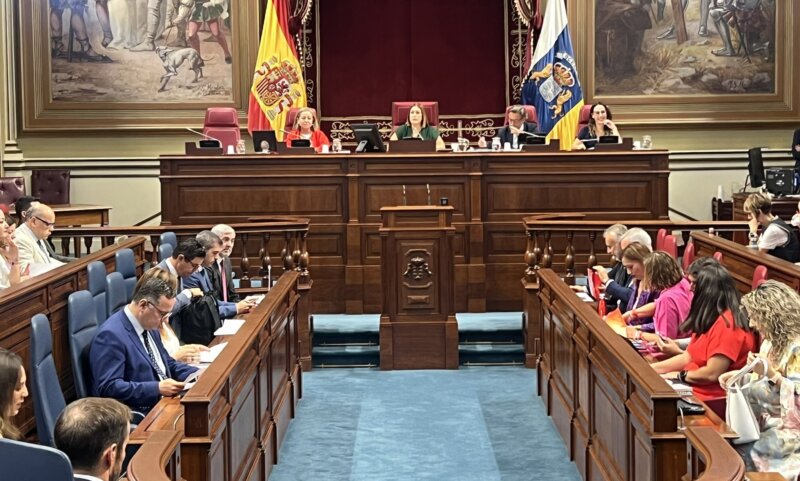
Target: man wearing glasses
[(31, 238), (186, 259), (128, 360)]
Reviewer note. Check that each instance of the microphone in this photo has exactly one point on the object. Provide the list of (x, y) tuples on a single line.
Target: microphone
[(219, 142)]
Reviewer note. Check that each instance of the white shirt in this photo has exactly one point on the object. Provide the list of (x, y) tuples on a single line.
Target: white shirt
[(87, 477), (5, 274), (772, 237), (187, 293), (139, 330)]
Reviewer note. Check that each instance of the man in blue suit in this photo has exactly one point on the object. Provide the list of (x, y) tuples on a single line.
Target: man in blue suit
[(515, 132), (202, 277), (186, 259), (128, 360)]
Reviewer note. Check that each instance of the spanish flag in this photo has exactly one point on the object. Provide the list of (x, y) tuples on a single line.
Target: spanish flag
[(278, 83), (551, 83)]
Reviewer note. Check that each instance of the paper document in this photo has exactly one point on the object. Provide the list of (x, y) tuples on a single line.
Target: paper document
[(207, 357), (39, 269), (584, 297), (256, 298), (679, 387), (230, 327)]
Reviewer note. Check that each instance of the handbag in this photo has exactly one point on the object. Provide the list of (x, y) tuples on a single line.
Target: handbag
[(738, 413)]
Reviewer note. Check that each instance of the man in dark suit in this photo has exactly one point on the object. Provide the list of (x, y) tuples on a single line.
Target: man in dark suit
[(128, 360), (511, 133), (222, 267), (93, 433), (202, 278)]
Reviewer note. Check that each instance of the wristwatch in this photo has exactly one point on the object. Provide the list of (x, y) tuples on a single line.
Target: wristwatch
[(682, 376)]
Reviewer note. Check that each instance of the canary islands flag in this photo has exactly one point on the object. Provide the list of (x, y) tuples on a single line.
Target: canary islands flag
[(278, 83), (551, 84)]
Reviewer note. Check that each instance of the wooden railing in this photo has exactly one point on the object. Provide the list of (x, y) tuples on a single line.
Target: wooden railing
[(567, 245), (158, 459)]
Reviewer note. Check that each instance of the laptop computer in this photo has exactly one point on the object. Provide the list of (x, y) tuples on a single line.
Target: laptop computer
[(268, 136), (412, 146)]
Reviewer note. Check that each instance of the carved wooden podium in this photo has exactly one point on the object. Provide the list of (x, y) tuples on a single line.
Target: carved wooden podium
[(418, 322)]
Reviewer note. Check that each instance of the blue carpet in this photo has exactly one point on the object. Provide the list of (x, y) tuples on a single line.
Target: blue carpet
[(471, 424)]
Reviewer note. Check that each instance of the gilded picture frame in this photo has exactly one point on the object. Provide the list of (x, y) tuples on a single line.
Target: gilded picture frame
[(88, 74), (693, 78)]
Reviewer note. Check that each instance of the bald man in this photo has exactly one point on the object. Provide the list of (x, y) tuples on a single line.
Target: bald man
[(31, 239)]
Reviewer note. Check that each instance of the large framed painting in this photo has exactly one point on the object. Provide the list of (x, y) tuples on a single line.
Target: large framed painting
[(691, 61), (134, 64)]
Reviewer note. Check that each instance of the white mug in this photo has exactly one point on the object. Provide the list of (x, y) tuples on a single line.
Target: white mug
[(454, 146), (507, 146), (325, 148), (637, 144)]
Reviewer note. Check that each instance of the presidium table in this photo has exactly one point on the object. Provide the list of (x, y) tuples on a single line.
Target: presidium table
[(343, 195)]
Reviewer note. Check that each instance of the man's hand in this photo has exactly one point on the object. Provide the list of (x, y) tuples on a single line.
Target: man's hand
[(243, 307), (602, 273), (170, 387), (752, 222), (196, 291)]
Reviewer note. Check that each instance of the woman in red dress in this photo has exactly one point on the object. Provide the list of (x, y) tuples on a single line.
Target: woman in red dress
[(306, 126)]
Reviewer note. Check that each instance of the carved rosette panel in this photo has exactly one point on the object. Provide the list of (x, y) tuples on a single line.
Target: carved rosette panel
[(417, 275)]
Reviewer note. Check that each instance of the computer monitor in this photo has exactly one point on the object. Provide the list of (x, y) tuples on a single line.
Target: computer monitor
[(755, 167), (368, 138), (268, 136)]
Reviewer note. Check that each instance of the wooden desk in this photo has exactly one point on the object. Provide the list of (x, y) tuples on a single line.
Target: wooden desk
[(342, 194), (48, 294), (733, 209), (233, 420), (68, 215), (617, 417), (741, 261), (711, 458), (158, 459)]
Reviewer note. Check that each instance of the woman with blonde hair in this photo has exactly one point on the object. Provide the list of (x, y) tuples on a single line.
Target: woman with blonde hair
[(188, 353), (306, 126), (12, 392), (774, 310), (639, 311)]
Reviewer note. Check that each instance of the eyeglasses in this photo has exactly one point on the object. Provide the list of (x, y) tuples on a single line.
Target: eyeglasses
[(163, 314), (47, 224)]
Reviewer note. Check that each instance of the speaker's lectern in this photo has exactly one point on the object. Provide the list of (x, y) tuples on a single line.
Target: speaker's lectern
[(418, 322)]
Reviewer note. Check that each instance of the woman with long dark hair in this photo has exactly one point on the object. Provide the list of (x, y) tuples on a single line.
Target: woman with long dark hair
[(721, 336), (12, 392)]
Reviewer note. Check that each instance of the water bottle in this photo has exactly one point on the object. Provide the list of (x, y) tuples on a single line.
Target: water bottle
[(496, 144)]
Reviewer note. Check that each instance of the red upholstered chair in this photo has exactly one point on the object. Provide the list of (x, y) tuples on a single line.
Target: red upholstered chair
[(660, 236), (530, 110), (51, 186), (670, 246), (222, 123), (718, 257), (292, 115), (11, 189), (688, 256), (400, 112), (759, 276), (585, 117)]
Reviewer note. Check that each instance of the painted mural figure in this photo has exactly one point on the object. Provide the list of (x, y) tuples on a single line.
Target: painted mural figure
[(209, 12), (732, 52), (77, 29), (619, 33), (177, 15)]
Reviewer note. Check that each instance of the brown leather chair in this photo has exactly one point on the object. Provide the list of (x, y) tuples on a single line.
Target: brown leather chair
[(50, 185), (400, 112), (292, 115), (584, 118), (11, 189), (222, 123)]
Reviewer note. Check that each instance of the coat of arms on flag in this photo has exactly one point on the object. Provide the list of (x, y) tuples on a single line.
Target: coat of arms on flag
[(277, 86)]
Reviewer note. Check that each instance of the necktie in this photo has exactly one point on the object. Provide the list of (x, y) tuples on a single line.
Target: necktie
[(224, 282), (150, 353), (44, 249)]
